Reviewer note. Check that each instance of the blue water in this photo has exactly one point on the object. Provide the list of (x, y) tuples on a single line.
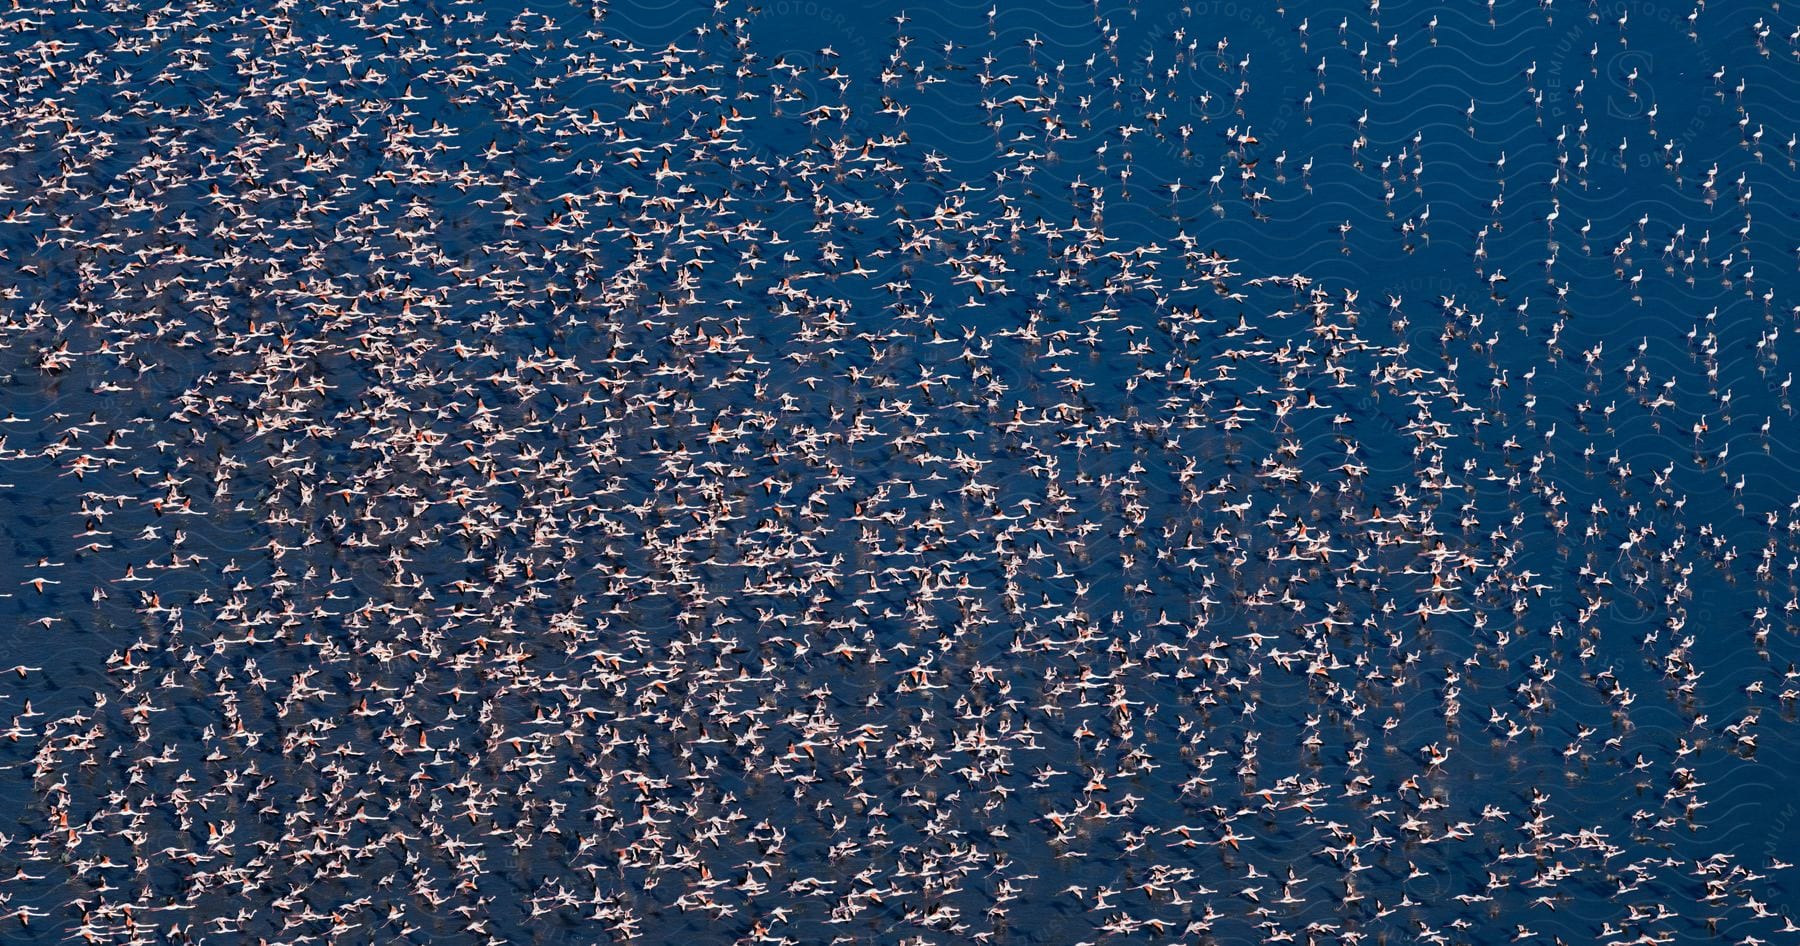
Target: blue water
[(457, 526)]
